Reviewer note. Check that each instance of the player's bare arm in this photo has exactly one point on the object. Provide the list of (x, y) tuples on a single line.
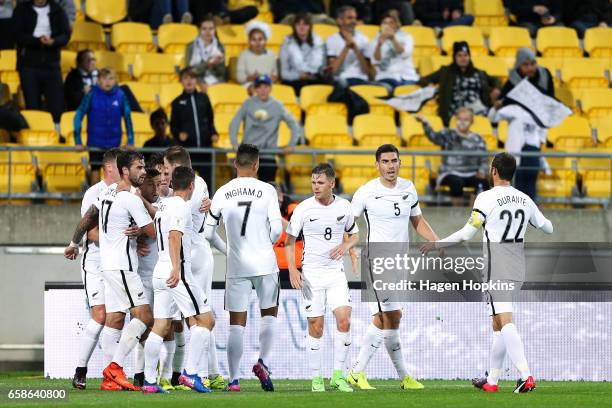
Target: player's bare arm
[(174, 242), (205, 206), (294, 275), (142, 248), (339, 251), (422, 227), (87, 222), (94, 235)]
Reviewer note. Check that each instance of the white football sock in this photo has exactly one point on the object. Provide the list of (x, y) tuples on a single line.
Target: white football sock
[(198, 349), (515, 349), (314, 356), (129, 339), (151, 352), (88, 342), (167, 357), (266, 337), (342, 341), (213, 360), (496, 358), (371, 342), (393, 344), (179, 351), (234, 350), (139, 358), (109, 339)]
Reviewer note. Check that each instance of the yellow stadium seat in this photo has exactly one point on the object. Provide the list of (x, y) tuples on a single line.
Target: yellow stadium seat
[(327, 131), (22, 170), (313, 101), (369, 30), (473, 36), (353, 170), (324, 30), (558, 184), (155, 68), (371, 93), (505, 41), (279, 32), (566, 96), (106, 11), (286, 95), (222, 123), (573, 134), (596, 173), (433, 63), (483, 127), (584, 73), (146, 94), (299, 167), (598, 42), (67, 61), (233, 38), (425, 42), (41, 131), (489, 14), (67, 128), (117, 61), (414, 134), (227, 98), (558, 42), (173, 38), (420, 170), (142, 129), (62, 172), (86, 35), (494, 66), (372, 130), (596, 103), (8, 70), (132, 38), (604, 130), (284, 134), (167, 94)]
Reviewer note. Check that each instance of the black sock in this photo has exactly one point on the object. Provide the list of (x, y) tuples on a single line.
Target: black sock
[(81, 371), (139, 379), (174, 381)]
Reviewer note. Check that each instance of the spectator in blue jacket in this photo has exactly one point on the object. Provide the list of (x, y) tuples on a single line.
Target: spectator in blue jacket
[(104, 106)]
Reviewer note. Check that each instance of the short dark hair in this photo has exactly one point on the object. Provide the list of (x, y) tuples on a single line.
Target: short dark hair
[(158, 114), (181, 178), (111, 155), (386, 148), (178, 155), (343, 9), (81, 56), (505, 164), (247, 155), (325, 168), (151, 172), (127, 158), (155, 159), (187, 71)]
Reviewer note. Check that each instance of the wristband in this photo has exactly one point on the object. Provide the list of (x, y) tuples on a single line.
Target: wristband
[(73, 245)]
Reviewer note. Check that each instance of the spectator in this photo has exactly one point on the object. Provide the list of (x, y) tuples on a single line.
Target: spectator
[(361, 7), (458, 172), (285, 11), (262, 115), (70, 9), (206, 55), (302, 55), (527, 66), (533, 14), (167, 11), (442, 13), (81, 79), (461, 84), (6, 29), (347, 50), (192, 122), (391, 53), (403, 8), (227, 11), (159, 124), (584, 14), (256, 60), (104, 106), (41, 31)]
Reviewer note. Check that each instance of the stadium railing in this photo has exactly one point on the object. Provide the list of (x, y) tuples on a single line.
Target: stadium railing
[(221, 162)]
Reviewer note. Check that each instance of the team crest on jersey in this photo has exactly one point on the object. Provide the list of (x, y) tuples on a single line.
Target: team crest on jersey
[(339, 219)]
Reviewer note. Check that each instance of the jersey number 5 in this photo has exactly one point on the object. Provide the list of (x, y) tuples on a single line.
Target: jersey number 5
[(508, 214), (247, 210)]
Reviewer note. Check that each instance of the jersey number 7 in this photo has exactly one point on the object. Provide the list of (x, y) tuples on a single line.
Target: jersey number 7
[(247, 210)]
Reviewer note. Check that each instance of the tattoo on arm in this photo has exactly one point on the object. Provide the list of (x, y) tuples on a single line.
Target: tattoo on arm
[(88, 221)]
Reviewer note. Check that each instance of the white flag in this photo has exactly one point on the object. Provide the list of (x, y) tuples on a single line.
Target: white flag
[(546, 111), (412, 102)]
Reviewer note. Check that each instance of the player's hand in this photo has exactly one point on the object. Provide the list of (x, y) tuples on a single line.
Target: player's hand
[(296, 278), (338, 252), (142, 248), (132, 231), (174, 278), (427, 247), (354, 259), (71, 252), (205, 206)]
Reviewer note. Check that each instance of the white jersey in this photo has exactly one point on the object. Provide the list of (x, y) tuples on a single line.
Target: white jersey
[(323, 228), (387, 211), (198, 219), (91, 249), (146, 264), (247, 206), (174, 214), (118, 211)]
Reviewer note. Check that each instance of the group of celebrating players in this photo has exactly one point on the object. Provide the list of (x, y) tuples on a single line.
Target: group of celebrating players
[(147, 233)]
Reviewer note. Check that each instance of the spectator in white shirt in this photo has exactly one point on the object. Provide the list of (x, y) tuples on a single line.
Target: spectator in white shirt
[(347, 50), (206, 55), (302, 55), (391, 53)]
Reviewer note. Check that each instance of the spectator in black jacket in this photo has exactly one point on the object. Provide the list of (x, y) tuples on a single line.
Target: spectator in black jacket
[(527, 66), (192, 122), (42, 29), (81, 79), (285, 11), (6, 29), (584, 14), (442, 13), (218, 8), (533, 14)]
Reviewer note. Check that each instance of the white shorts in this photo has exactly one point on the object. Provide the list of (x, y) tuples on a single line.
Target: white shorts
[(325, 289), (147, 283), (384, 306), (186, 297), (238, 292), (202, 267), (124, 290), (93, 282), (497, 307)]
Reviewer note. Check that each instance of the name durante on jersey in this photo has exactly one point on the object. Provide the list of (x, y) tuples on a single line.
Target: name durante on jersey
[(174, 214)]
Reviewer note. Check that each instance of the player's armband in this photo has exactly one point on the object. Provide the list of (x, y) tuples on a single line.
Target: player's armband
[(476, 220)]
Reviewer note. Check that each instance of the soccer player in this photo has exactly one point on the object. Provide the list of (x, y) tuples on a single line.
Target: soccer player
[(116, 210), (91, 273), (503, 213), (203, 262), (389, 204), (252, 219), (323, 220), (175, 288)]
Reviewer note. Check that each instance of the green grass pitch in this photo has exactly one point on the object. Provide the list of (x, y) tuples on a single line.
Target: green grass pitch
[(455, 394)]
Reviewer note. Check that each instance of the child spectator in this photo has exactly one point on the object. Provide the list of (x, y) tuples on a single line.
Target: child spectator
[(256, 60)]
